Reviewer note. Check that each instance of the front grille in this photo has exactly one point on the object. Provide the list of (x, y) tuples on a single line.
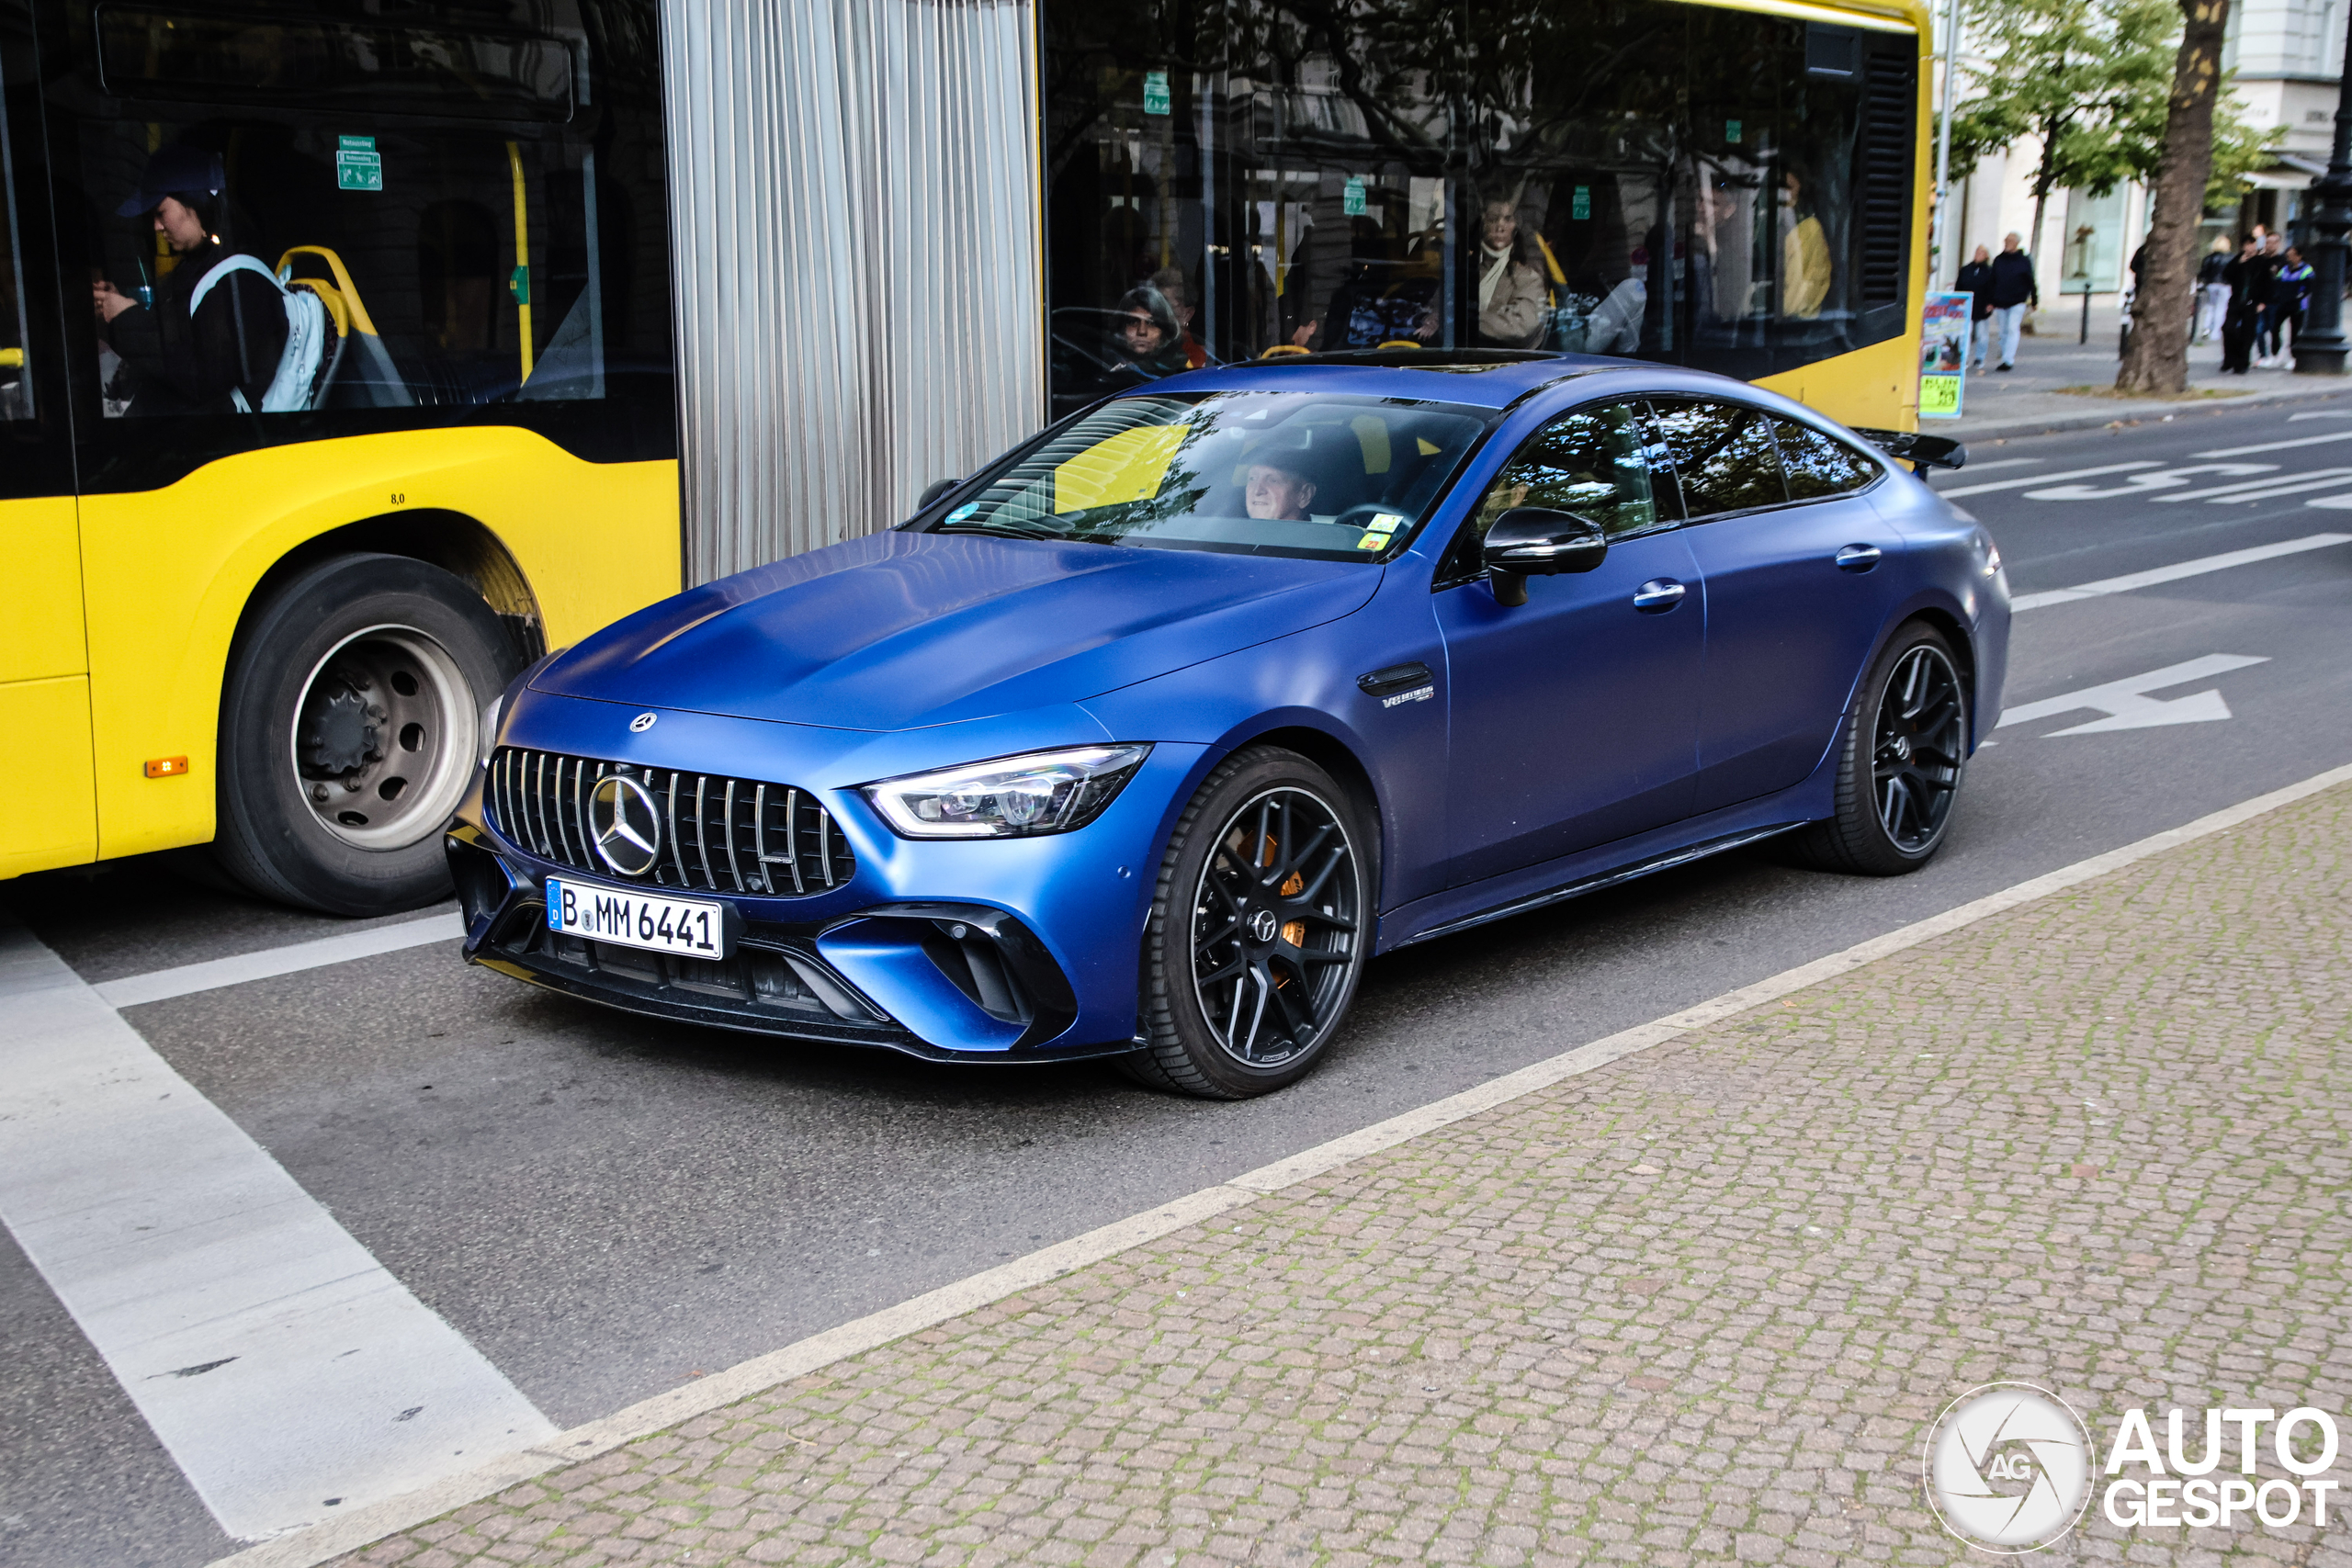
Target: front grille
[(718, 835)]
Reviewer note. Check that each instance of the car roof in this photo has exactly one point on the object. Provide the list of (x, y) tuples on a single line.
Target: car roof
[(1492, 378)]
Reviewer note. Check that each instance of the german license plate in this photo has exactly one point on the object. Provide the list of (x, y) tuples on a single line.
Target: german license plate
[(686, 926)]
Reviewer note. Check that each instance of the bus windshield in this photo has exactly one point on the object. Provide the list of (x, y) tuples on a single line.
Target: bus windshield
[(1286, 474)]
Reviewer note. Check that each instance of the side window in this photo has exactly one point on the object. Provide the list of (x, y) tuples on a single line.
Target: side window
[(16, 379), (346, 213), (1724, 455), (1592, 462), (1819, 465)]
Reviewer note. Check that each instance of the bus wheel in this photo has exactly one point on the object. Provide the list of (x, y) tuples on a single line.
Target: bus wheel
[(350, 729)]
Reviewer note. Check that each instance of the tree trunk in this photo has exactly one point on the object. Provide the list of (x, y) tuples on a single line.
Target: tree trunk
[(2156, 359)]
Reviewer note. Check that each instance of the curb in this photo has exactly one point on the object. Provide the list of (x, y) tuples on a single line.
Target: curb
[(364, 1526), (2129, 413)]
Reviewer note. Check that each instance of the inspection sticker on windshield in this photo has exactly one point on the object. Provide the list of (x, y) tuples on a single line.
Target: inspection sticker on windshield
[(686, 926), (1376, 537)]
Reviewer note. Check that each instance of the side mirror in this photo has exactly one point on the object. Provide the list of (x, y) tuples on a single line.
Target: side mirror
[(1535, 541), (934, 490), (1919, 451)]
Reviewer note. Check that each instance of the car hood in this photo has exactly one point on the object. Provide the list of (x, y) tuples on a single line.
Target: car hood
[(900, 630)]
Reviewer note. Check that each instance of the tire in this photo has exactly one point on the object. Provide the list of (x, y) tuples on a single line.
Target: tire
[(350, 729), (1250, 962), (1902, 753)]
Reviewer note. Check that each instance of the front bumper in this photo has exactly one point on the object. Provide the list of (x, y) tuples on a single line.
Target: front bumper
[(1024, 949)]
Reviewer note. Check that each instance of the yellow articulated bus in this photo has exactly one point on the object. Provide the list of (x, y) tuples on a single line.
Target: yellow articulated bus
[(336, 386)]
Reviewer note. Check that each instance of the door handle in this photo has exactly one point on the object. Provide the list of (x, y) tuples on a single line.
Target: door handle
[(1658, 596), (1858, 557), (1393, 679)]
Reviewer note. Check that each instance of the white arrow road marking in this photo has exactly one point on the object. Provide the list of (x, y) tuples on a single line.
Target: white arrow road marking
[(289, 1375), (2263, 490), (2128, 704), (2049, 479), (2179, 569), (2140, 484)]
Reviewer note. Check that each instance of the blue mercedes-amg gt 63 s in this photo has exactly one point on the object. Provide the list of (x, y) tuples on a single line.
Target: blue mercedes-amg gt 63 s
[(1147, 739)]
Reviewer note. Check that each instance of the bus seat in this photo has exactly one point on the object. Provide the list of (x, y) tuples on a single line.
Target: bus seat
[(387, 387), (339, 316)]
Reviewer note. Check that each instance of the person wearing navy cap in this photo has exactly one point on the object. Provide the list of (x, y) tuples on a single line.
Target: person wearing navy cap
[(182, 355)]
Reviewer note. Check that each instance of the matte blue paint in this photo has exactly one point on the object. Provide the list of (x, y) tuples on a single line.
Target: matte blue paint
[(1564, 740)]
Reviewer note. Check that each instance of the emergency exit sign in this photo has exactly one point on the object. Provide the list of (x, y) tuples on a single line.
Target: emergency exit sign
[(357, 165), (1155, 91)]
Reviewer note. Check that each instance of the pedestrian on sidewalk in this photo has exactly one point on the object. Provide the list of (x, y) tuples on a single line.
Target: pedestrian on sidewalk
[(2264, 282), (2237, 327), (2212, 294), (2293, 297), (2013, 289), (1975, 280)]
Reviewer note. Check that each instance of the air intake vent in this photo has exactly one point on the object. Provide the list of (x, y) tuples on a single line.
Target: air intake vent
[(1890, 116), (718, 835)]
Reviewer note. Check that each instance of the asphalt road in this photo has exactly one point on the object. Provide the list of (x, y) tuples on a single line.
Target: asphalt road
[(605, 1205)]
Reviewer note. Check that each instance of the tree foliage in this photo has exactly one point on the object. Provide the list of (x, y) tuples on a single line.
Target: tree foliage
[(2091, 80)]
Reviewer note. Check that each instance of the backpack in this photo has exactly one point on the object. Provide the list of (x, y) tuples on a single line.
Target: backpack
[(302, 364)]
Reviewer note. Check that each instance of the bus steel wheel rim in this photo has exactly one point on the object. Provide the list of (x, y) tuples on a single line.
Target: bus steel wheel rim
[(1276, 928), (383, 738), (1916, 754)]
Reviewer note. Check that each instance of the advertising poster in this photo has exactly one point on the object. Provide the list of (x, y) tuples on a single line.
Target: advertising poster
[(1944, 354)]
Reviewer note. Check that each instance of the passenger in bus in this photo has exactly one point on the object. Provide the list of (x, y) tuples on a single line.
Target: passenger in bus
[(1511, 286), (1177, 291), (1806, 269), (1147, 335), (177, 360)]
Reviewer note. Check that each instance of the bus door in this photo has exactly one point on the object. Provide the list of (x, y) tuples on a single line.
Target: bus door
[(47, 799)]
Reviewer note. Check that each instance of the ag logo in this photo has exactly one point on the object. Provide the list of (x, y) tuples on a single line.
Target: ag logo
[(624, 825), (2008, 1468)]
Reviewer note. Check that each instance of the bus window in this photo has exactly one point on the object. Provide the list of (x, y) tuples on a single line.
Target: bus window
[(321, 214), (15, 379)]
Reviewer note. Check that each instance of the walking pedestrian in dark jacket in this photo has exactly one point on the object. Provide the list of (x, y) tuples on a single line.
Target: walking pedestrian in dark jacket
[(2262, 277), (2239, 276), (2291, 296), (1975, 280), (2013, 289)]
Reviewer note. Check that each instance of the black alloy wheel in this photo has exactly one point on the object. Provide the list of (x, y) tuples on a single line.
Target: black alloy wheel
[(1260, 928), (1901, 752), (1919, 747)]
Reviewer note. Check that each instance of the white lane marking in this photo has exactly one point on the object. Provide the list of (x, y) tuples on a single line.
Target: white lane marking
[(349, 1533), (2332, 413), (2263, 490), (279, 1361), (215, 973), (2178, 570), (2320, 440), (2127, 706), (2140, 484), (2049, 478), (1977, 468)]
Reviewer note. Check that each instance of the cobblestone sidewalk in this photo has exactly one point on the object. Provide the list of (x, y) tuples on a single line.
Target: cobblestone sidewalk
[(1699, 1305)]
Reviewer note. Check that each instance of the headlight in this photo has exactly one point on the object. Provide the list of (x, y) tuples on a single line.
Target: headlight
[(1043, 792)]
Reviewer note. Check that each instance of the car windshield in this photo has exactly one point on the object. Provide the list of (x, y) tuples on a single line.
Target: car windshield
[(1258, 473)]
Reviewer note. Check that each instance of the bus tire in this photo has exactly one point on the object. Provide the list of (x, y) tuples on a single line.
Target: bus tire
[(350, 729)]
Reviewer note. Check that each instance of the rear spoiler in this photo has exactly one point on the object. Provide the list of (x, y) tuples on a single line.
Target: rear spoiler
[(1919, 451)]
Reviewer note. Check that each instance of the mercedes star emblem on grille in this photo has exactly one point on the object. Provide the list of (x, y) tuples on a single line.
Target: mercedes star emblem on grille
[(642, 723), (624, 825)]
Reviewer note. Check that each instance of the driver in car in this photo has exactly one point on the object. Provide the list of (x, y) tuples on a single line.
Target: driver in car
[(1277, 493)]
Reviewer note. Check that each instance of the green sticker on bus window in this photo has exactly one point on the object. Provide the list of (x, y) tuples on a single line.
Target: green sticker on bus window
[(1155, 91), (1352, 198), (1580, 202), (1731, 132), (357, 165)]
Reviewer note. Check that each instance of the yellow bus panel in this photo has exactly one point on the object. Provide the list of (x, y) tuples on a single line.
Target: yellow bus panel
[(41, 615), (46, 798), (171, 570)]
